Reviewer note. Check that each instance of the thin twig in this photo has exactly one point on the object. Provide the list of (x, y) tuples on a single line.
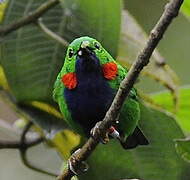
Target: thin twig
[(23, 152), (171, 11), (27, 163), (9, 144), (30, 18), (50, 33), (25, 131), (19, 144), (23, 145)]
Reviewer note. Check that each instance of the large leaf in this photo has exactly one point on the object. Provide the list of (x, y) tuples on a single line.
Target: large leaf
[(43, 115), (183, 113), (133, 39), (99, 19), (157, 161), (31, 60), (49, 123)]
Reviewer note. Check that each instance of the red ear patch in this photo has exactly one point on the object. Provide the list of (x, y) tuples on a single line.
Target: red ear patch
[(69, 80), (110, 70)]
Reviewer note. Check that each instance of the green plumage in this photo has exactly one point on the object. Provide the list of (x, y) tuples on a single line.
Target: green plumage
[(130, 112)]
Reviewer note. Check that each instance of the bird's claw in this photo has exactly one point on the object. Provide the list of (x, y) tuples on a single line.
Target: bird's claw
[(83, 167), (95, 132)]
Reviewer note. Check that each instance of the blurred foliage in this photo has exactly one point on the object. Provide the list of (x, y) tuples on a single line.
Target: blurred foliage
[(42, 59), (183, 113), (175, 44), (183, 148), (3, 5), (185, 9), (65, 142), (31, 60), (133, 39), (157, 161), (3, 79)]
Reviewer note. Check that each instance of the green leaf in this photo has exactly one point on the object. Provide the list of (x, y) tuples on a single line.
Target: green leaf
[(64, 142), (183, 148), (183, 113), (3, 6), (43, 115), (185, 8), (157, 161), (49, 123), (3, 80), (99, 19), (31, 60), (133, 39)]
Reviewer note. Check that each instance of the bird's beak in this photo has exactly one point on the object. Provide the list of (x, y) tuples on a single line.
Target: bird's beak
[(85, 44), (87, 57), (84, 49)]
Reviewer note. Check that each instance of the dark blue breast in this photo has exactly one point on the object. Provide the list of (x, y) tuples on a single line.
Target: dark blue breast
[(90, 100)]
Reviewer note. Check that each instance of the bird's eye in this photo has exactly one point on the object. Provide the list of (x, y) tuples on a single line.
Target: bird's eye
[(71, 53), (97, 46)]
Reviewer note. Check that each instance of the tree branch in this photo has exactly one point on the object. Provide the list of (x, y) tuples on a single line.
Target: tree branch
[(23, 152), (32, 17), (170, 12), (27, 163), (22, 143)]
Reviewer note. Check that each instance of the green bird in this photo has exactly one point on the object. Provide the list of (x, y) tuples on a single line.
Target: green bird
[(86, 87)]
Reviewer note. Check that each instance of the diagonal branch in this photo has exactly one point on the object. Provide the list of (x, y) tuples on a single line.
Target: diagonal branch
[(170, 12), (30, 18)]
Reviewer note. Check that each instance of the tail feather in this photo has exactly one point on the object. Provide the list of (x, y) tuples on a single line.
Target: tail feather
[(135, 139)]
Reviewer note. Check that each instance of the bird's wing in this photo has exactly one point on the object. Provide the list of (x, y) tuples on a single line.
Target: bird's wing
[(122, 72), (130, 112), (58, 88)]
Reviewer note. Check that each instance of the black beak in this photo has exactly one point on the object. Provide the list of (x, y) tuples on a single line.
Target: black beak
[(88, 59), (85, 52)]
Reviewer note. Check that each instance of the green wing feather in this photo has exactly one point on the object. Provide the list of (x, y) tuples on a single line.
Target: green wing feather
[(130, 112)]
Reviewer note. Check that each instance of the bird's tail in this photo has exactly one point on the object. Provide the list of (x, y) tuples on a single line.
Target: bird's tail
[(133, 140)]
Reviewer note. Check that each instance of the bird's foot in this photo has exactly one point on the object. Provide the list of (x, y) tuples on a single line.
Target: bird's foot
[(81, 168), (95, 132)]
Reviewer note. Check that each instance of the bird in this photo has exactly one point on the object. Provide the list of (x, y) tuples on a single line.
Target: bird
[(85, 88)]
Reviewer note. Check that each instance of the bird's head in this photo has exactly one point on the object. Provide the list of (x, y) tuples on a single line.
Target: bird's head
[(86, 55)]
